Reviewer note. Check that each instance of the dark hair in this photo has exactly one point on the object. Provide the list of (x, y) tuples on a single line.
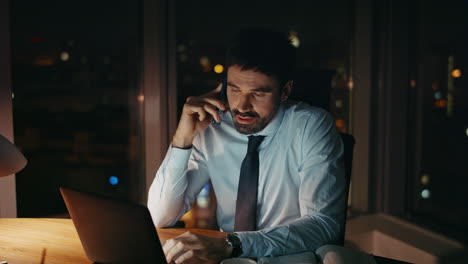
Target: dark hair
[(266, 51)]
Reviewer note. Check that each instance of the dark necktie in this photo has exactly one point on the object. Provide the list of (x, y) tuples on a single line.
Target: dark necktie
[(246, 205)]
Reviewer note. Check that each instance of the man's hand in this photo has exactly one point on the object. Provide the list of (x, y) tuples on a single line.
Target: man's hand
[(194, 248), (196, 116)]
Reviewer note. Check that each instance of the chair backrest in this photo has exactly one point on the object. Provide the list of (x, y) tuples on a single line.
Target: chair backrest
[(348, 143), (313, 86)]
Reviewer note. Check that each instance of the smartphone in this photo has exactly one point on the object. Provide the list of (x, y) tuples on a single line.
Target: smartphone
[(223, 94), (223, 97)]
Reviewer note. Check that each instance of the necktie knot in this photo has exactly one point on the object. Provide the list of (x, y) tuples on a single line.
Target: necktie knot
[(254, 143)]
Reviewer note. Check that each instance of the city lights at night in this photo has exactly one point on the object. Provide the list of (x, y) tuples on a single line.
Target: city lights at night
[(441, 103), (218, 68), (426, 194), (113, 180), (64, 56), (339, 103), (456, 73), (205, 63), (350, 84), (425, 179), (293, 36)]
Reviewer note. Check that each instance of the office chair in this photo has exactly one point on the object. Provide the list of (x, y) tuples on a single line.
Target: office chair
[(348, 144)]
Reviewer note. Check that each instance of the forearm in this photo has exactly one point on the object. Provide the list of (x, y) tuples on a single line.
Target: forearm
[(304, 234), (166, 196), (174, 187)]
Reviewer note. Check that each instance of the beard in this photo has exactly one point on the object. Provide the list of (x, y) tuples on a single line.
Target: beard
[(258, 125)]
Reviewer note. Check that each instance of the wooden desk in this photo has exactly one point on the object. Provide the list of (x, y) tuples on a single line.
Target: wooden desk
[(55, 241)]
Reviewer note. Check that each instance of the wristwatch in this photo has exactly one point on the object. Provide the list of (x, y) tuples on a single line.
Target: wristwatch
[(234, 241)]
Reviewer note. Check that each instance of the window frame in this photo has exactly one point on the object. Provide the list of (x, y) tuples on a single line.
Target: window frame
[(378, 123), (158, 84)]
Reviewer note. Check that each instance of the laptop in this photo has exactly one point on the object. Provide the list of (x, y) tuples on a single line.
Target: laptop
[(113, 231)]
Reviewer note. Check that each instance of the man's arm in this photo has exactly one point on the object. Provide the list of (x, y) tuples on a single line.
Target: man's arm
[(179, 179), (183, 172), (321, 198)]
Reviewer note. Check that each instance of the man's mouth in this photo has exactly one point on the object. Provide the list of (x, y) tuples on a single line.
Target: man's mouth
[(244, 120)]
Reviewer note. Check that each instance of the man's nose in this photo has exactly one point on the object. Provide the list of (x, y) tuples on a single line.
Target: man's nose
[(244, 104)]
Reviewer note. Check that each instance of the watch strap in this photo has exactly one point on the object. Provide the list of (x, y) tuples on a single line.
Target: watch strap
[(234, 241)]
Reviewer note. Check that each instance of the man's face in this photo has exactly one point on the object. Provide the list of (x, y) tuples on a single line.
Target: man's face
[(253, 98)]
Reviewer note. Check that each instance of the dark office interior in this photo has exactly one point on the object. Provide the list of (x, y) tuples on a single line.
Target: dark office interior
[(92, 92)]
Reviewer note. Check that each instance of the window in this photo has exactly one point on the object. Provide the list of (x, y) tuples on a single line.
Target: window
[(76, 102), (438, 147)]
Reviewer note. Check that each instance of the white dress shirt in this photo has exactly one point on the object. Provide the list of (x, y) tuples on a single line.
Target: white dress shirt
[(300, 202)]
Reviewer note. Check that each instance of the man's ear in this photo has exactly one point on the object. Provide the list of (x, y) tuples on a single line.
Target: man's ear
[(286, 92)]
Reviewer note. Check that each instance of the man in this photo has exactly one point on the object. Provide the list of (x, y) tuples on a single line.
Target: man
[(286, 195)]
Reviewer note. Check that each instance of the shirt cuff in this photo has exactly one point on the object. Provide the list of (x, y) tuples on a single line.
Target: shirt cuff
[(252, 243), (178, 158)]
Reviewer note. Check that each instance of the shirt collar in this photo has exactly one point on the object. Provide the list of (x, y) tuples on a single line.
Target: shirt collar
[(270, 130)]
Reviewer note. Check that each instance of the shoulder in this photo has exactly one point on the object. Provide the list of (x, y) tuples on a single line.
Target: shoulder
[(315, 129), (300, 114)]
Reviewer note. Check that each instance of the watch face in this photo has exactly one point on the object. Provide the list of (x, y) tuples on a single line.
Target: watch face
[(234, 239), (236, 245)]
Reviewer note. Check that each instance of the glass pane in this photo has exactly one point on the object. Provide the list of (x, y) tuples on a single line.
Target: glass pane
[(76, 108), (321, 30), (439, 84)]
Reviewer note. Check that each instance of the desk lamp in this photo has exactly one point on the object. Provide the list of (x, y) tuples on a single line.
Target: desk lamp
[(11, 159)]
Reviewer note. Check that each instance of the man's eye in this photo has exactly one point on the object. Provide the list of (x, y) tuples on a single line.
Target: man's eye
[(234, 90), (259, 94)]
